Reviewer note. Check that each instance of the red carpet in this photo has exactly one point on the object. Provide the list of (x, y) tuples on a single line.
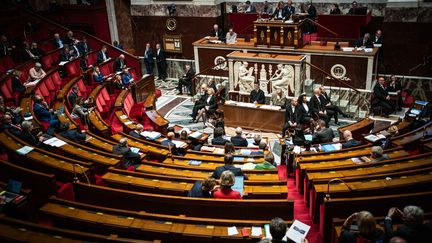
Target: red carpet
[(301, 212)]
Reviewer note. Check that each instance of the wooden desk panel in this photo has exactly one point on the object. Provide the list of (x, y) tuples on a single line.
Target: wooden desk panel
[(254, 118)]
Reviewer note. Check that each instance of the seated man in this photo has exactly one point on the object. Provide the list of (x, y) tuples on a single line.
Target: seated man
[(381, 98), (229, 159), (137, 132), (7, 125), (130, 158), (249, 8), (127, 78), (72, 135), (278, 230), (73, 95), (36, 72), (291, 116), (365, 42), (324, 133), (350, 141), (168, 142), (238, 140), (329, 107), (231, 36), (200, 103), (202, 189), (257, 95), (119, 63), (218, 137), (377, 154), (318, 108), (44, 114), (186, 80), (217, 32)]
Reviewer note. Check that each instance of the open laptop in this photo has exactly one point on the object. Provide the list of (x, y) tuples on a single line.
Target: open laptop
[(13, 190)]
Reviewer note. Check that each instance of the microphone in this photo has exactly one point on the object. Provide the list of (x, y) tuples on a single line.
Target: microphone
[(82, 171), (327, 196)]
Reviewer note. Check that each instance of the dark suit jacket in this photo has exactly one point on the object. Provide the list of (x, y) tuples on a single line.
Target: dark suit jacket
[(17, 86), (41, 113), (71, 98), (302, 113), (131, 157), (335, 11), (289, 10), (420, 233), (4, 51), (134, 134), (236, 171), (325, 99), (73, 135), (380, 94), (375, 41), (83, 47), (64, 56), (37, 52), (219, 141), (312, 13), (188, 77), (285, 14), (174, 149), (212, 104), (100, 57), (394, 89), (239, 141), (325, 135), (161, 57), (117, 66), (56, 44), (150, 54), (252, 9), (29, 138), (359, 42), (316, 105), (220, 33), (290, 115), (257, 96), (351, 143)]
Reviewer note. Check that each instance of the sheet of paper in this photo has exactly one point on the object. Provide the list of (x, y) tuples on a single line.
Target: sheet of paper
[(298, 231), (128, 122), (256, 231), (123, 117), (134, 149), (267, 231), (25, 150), (55, 142), (232, 230), (179, 144)]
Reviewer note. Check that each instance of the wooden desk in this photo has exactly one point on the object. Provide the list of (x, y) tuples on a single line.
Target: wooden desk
[(254, 118), (358, 129), (278, 33)]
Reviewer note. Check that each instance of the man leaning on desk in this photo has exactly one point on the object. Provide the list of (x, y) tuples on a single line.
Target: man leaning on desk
[(257, 95), (217, 32)]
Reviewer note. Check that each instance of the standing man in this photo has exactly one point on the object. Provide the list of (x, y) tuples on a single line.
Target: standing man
[(257, 95), (161, 62), (186, 80), (148, 59)]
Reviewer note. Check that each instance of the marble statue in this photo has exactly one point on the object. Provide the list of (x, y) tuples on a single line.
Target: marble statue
[(246, 78), (263, 73), (283, 78)]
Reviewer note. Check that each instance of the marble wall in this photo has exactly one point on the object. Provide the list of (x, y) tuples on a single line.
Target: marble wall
[(183, 10), (124, 27)]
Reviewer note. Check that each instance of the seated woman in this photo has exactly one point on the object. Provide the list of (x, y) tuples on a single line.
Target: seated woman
[(225, 191), (278, 98), (268, 164), (304, 115), (210, 106), (98, 75), (79, 111), (229, 148), (118, 83), (367, 230), (203, 189)]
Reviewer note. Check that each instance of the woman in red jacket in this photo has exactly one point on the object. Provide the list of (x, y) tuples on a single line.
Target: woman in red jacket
[(225, 191)]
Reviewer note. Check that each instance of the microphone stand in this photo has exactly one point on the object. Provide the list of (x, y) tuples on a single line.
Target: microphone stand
[(82, 171), (327, 196), (169, 149)]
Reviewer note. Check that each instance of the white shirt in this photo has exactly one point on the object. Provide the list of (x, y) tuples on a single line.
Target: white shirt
[(306, 107)]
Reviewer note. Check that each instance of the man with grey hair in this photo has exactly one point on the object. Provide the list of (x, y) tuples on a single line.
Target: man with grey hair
[(377, 154), (36, 72), (350, 141), (324, 134), (137, 132), (129, 158), (413, 228), (238, 140)]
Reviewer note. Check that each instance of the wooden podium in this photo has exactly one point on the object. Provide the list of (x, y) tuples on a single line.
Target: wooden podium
[(278, 33), (143, 88)]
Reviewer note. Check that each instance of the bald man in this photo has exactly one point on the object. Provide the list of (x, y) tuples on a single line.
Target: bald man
[(238, 140), (119, 63), (217, 32), (349, 140), (170, 144)]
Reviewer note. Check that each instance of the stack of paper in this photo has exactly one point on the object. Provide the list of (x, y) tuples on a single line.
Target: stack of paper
[(298, 231), (54, 142), (151, 135), (196, 134), (134, 150), (195, 162), (373, 138), (207, 149), (179, 144), (232, 231), (24, 150)]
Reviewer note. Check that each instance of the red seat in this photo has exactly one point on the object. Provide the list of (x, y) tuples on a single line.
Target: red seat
[(46, 62), (106, 97), (72, 68), (45, 92), (92, 58), (82, 87), (6, 89), (55, 77)]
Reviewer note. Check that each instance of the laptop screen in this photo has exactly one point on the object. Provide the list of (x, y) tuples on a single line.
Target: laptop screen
[(14, 186)]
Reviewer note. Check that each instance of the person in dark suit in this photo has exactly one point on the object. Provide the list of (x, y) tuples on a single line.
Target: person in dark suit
[(168, 142), (137, 131), (217, 32), (289, 9), (119, 63), (117, 45), (26, 135), (161, 62), (238, 140), (349, 140), (381, 97), (186, 80), (218, 137), (312, 14), (102, 55), (317, 106), (75, 49), (377, 38), (5, 47), (291, 116), (210, 106), (377, 154), (148, 59), (130, 158), (257, 95), (280, 12), (44, 114), (17, 85), (353, 9), (229, 159), (58, 42), (364, 42), (332, 110), (8, 125), (83, 46), (395, 86), (324, 133), (69, 39), (413, 229), (65, 55), (36, 51), (73, 95), (249, 8), (202, 189), (71, 134), (335, 9), (200, 103), (367, 229), (304, 115)]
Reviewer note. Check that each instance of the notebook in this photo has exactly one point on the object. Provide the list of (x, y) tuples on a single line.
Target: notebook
[(13, 189)]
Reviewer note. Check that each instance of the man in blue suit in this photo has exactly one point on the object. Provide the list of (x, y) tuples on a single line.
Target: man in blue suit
[(148, 59), (44, 114), (229, 159), (238, 140)]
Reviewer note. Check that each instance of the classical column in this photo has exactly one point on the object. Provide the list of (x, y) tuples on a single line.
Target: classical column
[(112, 21)]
